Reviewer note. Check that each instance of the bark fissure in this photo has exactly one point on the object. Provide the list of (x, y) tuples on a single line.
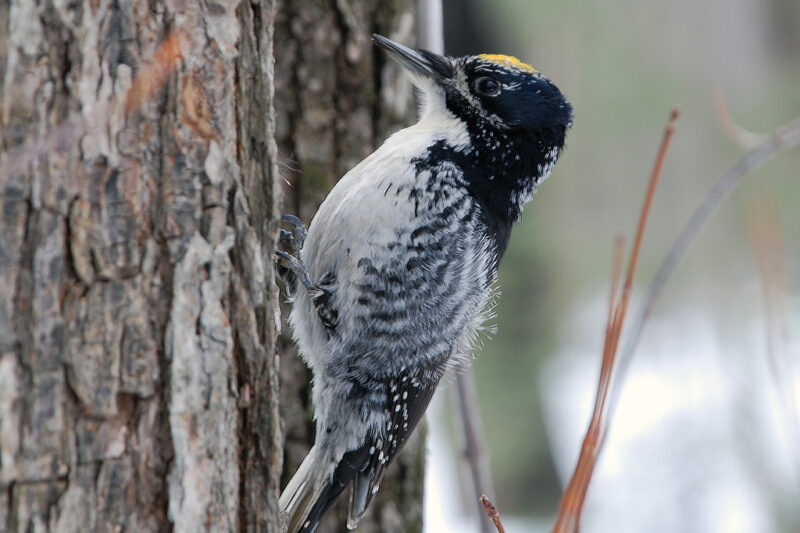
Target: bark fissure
[(23, 294), (166, 273)]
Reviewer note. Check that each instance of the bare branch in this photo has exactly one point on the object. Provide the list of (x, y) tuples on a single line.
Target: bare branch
[(491, 512), (430, 25), (475, 447), (431, 37), (739, 135)]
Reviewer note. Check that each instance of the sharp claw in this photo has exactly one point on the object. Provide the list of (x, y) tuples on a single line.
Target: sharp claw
[(299, 232), (293, 240), (293, 220), (299, 238), (286, 238), (286, 258), (294, 264)]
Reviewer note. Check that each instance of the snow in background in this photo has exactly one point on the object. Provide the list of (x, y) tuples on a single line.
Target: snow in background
[(700, 441)]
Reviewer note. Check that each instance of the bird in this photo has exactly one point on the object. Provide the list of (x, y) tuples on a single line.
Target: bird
[(392, 277)]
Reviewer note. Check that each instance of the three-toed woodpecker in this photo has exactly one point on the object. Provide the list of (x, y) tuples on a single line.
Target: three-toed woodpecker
[(398, 263)]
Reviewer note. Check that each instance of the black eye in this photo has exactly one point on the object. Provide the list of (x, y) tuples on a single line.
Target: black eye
[(486, 86)]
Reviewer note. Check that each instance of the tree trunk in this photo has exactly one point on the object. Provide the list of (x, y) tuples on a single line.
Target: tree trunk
[(138, 379), (338, 98), (138, 376)]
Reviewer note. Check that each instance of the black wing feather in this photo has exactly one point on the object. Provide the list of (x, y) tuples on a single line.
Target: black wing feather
[(406, 401)]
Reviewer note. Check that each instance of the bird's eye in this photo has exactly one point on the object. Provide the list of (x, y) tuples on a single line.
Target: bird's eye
[(486, 86)]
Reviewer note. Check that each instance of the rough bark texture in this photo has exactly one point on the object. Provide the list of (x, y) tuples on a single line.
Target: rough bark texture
[(338, 98), (138, 381)]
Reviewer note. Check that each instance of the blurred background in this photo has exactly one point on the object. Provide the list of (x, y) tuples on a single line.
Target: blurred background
[(705, 436)]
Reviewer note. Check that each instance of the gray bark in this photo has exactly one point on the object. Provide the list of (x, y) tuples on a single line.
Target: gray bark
[(338, 99), (138, 380)]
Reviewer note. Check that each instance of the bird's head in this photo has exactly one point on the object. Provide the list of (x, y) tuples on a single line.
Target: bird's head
[(487, 90), (515, 116)]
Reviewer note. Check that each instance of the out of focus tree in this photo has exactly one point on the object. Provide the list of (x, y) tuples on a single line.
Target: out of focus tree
[(784, 16)]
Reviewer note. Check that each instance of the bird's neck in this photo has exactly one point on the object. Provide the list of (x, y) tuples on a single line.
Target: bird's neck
[(501, 168), (501, 173)]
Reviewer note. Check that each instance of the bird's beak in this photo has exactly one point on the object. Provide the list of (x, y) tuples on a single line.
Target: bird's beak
[(417, 62)]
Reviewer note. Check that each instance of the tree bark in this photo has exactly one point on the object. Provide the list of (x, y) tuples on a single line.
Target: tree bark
[(138, 373), (338, 99), (138, 379)]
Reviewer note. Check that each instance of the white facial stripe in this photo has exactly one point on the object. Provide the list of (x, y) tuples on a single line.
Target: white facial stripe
[(462, 85)]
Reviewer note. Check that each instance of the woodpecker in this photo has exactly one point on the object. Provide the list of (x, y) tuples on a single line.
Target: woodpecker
[(389, 282)]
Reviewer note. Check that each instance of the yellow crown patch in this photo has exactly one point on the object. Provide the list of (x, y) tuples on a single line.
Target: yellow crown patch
[(509, 61)]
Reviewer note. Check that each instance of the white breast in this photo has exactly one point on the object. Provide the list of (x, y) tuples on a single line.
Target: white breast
[(358, 214)]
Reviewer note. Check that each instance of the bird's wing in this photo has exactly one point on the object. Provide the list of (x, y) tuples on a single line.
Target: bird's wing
[(366, 466), (408, 400)]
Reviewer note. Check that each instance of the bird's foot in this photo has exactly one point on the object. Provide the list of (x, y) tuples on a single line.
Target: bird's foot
[(293, 240), (289, 260)]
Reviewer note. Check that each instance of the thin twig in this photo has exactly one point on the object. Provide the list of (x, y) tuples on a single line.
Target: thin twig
[(475, 447), (584, 472), (781, 140), (575, 495), (739, 135), (616, 273), (491, 512)]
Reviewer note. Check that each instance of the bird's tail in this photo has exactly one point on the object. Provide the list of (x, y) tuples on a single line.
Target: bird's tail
[(307, 495)]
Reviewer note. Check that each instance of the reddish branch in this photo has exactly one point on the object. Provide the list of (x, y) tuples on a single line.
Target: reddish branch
[(572, 502), (491, 512)]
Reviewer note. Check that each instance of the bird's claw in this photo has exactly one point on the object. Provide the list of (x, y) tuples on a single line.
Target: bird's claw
[(295, 239), (286, 239), (295, 265)]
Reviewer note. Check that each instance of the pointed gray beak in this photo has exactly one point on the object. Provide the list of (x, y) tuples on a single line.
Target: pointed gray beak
[(420, 62)]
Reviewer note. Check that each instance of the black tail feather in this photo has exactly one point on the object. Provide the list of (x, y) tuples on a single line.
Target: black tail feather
[(365, 467), (352, 464)]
